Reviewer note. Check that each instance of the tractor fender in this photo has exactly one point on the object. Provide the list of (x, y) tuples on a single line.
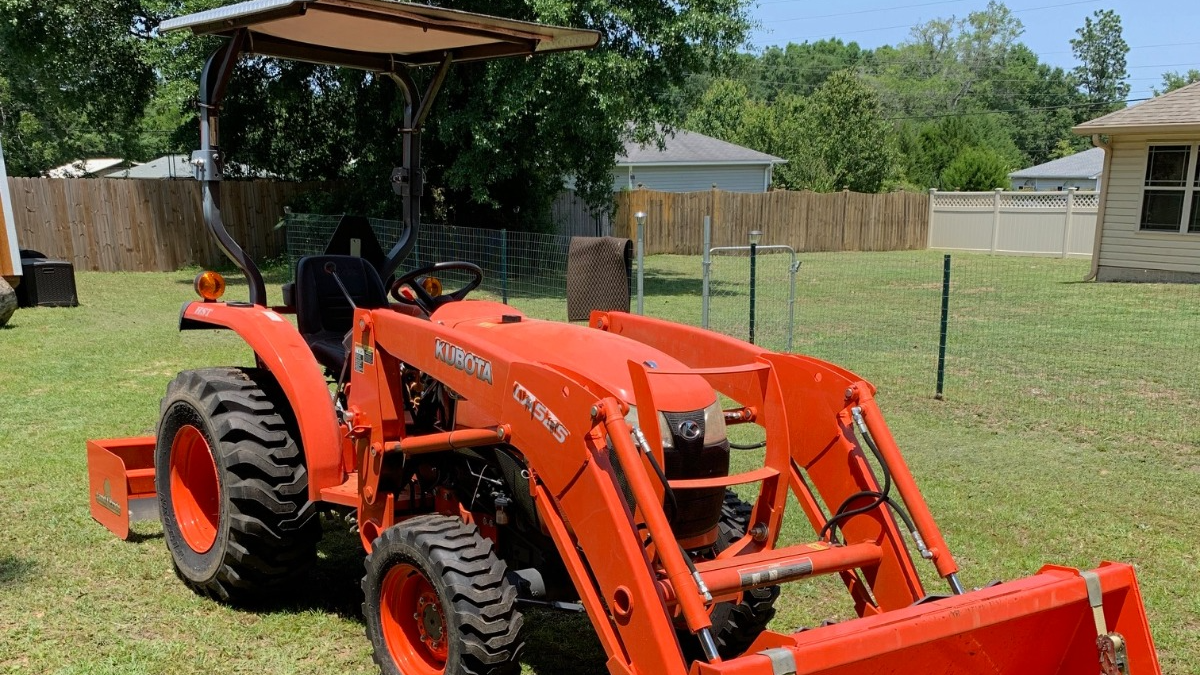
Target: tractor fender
[(281, 350)]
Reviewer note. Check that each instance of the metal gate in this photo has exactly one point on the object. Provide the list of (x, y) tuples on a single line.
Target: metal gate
[(749, 292)]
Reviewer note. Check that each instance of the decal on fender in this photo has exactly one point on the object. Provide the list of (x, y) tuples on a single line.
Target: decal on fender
[(539, 412), (461, 359), (105, 499)]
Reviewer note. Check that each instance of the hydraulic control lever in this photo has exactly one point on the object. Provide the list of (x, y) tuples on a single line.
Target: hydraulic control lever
[(331, 270)]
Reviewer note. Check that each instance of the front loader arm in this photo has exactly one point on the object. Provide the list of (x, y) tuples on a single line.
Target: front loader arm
[(806, 409)]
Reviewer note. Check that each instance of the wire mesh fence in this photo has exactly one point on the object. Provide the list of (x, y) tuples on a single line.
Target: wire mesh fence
[(1028, 344), (525, 269), (1102, 363)]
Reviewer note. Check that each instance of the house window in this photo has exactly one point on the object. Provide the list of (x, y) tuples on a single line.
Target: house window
[(1171, 196)]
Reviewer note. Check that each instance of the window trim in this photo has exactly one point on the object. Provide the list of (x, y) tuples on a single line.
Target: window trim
[(1190, 187)]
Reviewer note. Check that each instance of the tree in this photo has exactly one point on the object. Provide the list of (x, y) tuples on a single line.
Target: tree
[(847, 137), (74, 80), (975, 170), (1173, 80), (721, 111), (930, 148), (1101, 51), (79, 75)]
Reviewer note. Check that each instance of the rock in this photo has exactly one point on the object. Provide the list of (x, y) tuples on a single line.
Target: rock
[(8, 301)]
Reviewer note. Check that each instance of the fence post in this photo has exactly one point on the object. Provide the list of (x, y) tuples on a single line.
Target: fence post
[(706, 264), (996, 218), (929, 225), (504, 266), (641, 261), (1067, 221), (941, 367), (795, 268)]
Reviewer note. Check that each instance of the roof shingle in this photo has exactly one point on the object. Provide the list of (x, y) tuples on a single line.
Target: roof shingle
[(1177, 111), (689, 147), (1086, 164)]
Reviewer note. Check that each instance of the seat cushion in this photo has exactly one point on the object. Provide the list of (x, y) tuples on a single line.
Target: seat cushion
[(323, 313), (330, 351)]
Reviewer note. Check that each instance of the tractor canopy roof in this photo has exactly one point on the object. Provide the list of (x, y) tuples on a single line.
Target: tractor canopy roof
[(378, 35)]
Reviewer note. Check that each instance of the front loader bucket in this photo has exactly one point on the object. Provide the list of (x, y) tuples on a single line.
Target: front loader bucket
[(121, 482), (1041, 625)]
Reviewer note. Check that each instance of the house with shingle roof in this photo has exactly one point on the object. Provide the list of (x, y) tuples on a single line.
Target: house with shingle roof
[(691, 162), (1080, 170), (1149, 210)]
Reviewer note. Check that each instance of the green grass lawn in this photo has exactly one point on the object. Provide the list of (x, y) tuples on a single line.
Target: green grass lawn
[(1068, 435)]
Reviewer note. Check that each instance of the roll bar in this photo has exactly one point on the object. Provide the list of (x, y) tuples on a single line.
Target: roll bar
[(386, 37)]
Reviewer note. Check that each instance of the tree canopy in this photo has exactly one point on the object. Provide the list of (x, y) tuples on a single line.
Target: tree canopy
[(956, 85), (87, 78), (960, 97)]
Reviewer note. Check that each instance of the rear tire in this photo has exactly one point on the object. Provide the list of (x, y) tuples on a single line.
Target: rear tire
[(436, 601), (232, 485)]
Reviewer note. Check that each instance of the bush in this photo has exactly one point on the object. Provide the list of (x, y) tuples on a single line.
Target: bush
[(975, 170)]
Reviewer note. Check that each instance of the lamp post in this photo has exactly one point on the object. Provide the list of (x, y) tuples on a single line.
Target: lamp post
[(641, 259), (755, 237)]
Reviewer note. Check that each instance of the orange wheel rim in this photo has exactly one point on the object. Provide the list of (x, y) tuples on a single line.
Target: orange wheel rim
[(414, 627), (195, 489)]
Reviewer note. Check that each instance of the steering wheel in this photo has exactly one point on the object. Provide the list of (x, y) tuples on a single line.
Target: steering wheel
[(422, 298)]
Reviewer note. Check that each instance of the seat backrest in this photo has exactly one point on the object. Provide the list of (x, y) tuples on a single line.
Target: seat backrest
[(321, 307)]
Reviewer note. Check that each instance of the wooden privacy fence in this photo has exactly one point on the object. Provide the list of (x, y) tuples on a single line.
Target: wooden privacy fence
[(806, 221), (144, 225)]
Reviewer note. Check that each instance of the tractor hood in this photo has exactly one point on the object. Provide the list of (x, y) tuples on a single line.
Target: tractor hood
[(579, 352)]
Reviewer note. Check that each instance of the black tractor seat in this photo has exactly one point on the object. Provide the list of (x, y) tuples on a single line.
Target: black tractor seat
[(323, 314)]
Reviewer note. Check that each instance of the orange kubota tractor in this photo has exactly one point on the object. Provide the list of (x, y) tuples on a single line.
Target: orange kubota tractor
[(491, 460)]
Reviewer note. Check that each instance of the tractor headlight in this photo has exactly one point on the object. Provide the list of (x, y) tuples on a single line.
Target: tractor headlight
[(714, 424), (664, 429)]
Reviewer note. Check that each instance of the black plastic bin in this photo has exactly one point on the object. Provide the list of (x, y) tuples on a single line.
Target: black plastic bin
[(47, 283)]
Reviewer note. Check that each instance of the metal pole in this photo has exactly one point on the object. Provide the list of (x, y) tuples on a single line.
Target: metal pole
[(941, 367), (504, 266), (753, 274), (707, 265), (792, 300), (641, 262)]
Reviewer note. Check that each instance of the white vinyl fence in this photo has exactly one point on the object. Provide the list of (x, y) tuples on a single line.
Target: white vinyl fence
[(1020, 223)]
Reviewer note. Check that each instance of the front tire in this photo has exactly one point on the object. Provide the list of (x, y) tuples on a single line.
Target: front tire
[(232, 485), (436, 601), (735, 625), (738, 624)]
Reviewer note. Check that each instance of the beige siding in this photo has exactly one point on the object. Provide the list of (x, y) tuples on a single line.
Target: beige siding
[(1122, 244)]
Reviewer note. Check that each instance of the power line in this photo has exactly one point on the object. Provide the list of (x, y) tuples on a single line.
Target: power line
[(1018, 110), (868, 60), (1015, 11), (861, 11)]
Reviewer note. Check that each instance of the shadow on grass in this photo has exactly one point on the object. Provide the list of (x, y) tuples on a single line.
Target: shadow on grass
[(556, 642), (14, 570), (561, 642), (139, 537), (333, 584)]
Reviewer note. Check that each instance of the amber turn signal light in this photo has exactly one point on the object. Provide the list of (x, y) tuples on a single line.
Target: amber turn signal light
[(209, 285), (432, 286)]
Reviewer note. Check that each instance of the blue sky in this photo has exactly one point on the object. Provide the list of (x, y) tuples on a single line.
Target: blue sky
[(1161, 34)]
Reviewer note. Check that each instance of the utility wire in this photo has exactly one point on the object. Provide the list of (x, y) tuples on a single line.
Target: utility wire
[(1097, 104), (868, 62), (861, 11), (1014, 11)]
